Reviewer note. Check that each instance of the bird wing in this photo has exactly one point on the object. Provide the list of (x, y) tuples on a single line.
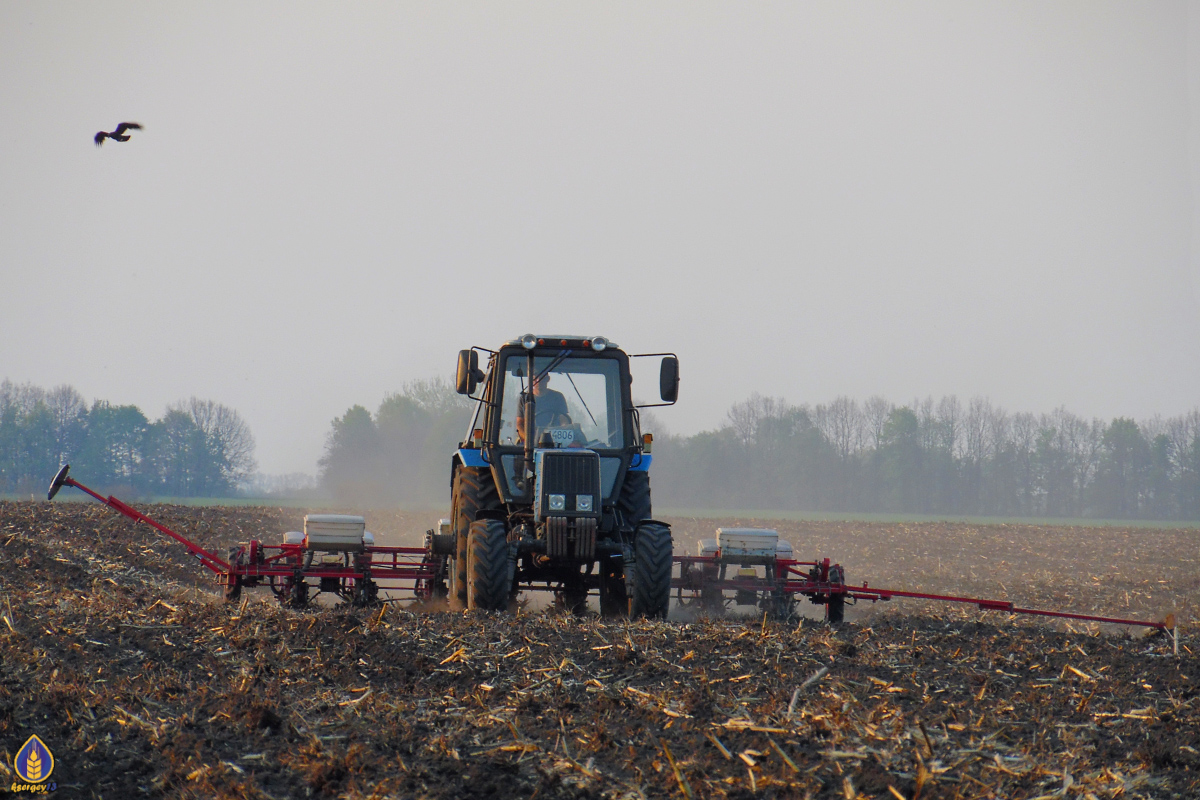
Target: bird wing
[(124, 126), (100, 138)]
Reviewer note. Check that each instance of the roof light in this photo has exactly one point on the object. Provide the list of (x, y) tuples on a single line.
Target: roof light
[(529, 341), (599, 343)]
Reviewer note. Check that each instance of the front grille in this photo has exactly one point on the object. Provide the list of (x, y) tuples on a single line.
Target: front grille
[(570, 473)]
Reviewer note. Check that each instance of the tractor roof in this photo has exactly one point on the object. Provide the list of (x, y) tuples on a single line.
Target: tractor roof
[(569, 340)]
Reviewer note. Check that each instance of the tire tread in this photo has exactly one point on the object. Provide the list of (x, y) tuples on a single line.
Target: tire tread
[(487, 566), (649, 582)]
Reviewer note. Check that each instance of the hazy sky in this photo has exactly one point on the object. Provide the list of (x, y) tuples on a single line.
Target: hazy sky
[(802, 200)]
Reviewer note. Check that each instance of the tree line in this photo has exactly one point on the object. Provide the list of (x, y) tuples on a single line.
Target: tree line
[(925, 457), (399, 454), (198, 448), (929, 457)]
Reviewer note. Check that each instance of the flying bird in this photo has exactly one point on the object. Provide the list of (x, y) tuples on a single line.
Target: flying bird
[(119, 135)]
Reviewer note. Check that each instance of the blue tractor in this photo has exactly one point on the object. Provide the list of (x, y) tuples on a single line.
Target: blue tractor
[(550, 490)]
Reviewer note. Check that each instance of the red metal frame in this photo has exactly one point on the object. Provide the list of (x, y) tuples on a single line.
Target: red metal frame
[(797, 578), (208, 559), (405, 567), (411, 568), (280, 565)]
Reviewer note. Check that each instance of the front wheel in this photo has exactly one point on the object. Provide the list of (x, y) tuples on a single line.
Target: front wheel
[(649, 581), (487, 566)]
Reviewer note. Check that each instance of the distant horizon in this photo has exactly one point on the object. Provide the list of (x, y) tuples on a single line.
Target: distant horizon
[(715, 514)]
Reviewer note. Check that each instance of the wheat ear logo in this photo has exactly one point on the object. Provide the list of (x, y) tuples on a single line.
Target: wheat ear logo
[(34, 761)]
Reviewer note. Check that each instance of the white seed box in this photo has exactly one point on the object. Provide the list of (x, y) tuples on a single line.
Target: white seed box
[(757, 542), (334, 532)]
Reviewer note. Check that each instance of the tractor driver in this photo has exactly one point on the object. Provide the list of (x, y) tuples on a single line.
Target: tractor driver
[(550, 408)]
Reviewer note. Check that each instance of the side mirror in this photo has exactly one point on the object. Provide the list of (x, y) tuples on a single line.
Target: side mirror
[(468, 375), (668, 379)]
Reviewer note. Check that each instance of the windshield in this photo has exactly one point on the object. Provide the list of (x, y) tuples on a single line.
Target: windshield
[(578, 403)]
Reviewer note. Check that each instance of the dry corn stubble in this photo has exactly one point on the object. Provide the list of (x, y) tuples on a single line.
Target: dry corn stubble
[(122, 660)]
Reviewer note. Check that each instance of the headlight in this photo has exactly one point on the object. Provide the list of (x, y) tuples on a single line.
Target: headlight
[(558, 502), (529, 341), (599, 343), (583, 502)]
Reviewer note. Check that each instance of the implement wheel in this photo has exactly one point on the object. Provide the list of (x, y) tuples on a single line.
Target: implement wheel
[(649, 581), (487, 566), (298, 594), (473, 490), (366, 593), (233, 587), (836, 609)]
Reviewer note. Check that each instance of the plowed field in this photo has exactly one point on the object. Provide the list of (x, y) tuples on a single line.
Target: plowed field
[(116, 652)]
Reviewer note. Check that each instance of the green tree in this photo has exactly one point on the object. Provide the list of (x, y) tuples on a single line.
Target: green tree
[(402, 454), (1123, 468), (1159, 500), (351, 465), (115, 448), (903, 460), (179, 456)]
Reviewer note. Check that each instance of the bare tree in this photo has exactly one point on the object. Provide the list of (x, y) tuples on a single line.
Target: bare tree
[(1182, 431), (928, 423), (876, 411), (69, 411), (841, 423), (998, 429), (23, 397), (949, 416), (1023, 439), (435, 395), (228, 437), (746, 417), (976, 429)]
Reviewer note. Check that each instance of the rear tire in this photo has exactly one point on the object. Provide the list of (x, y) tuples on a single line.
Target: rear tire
[(634, 501), (473, 490), (649, 581), (487, 566)]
